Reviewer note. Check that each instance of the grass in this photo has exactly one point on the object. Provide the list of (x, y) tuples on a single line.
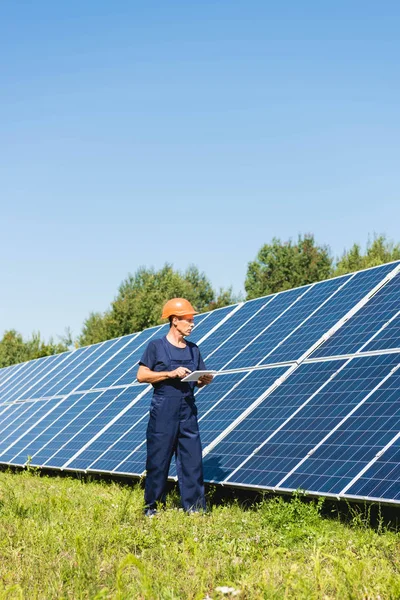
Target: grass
[(65, 538)]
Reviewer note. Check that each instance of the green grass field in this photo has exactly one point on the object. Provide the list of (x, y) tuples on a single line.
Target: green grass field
[(65, 538)]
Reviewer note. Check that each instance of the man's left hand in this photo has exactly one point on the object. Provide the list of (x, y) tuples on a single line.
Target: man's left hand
[(204, 380)]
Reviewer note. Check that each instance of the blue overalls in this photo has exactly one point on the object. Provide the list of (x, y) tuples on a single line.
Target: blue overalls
[(173, 427)]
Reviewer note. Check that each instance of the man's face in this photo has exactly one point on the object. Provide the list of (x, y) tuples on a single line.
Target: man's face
[(184, 325)]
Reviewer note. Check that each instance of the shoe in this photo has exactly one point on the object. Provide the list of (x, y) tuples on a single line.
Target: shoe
[(150, 512)]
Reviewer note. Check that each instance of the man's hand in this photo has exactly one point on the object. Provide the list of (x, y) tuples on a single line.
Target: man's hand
[(204, 380), (180, 372)]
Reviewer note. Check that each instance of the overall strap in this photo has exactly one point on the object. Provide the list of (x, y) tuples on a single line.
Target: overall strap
[(167, 350)]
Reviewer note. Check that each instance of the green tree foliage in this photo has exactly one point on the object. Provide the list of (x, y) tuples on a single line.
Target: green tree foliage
[(96, 328), (140, 299), (281, 266), (14, 349), (378, 252)]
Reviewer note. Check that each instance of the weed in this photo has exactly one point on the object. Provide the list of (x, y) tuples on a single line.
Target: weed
[(75, 539)]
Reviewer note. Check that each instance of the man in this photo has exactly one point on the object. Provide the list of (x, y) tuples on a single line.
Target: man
[(173, 426)]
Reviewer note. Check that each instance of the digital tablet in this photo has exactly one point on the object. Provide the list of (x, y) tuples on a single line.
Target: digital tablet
[(194, 375)]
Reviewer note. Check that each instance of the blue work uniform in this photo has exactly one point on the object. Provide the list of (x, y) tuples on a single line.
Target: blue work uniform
[(173, 427)]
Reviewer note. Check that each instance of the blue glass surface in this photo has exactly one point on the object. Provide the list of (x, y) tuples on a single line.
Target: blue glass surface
[(19, 377), (27, 417), (136, 463), (266, 418), (314, 421), (265, 343), (106, 353), (33, 439), (353, 445), (115, 444), (45, 386), (120, 360), (238, 399), (8, 409), (336, 308), (52, 380), (7, 419), (51, 439), (388, 338), (207, 396), (238, 319), (382, 479), (212, 320), (4, 408), (220, 403), (365, 323), (243, 336), (25, 380), (6, 373), (91, 421), (125, 372)]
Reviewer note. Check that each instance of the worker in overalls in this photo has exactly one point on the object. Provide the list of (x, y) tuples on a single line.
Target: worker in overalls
[(173, 427)]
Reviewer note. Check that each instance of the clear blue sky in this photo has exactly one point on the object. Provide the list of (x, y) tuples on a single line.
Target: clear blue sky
[(134, 133)]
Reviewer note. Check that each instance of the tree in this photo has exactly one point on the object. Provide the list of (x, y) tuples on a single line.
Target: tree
[(281, 266), (96, 328), (378, 252), (224, 297), (140, 299), (14, 349)]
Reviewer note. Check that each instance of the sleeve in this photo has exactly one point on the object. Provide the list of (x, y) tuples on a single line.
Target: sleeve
[(149, 357)]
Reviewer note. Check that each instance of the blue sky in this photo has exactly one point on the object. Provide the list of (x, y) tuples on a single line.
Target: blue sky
[(135, 133)]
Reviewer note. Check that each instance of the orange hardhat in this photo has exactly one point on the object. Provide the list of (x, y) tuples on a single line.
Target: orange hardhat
[(178, 307)]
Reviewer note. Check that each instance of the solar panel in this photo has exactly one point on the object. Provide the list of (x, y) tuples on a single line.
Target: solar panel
[(382, 479), (365, 431), (288, 322), (274, 462), (306, 397), (366, 323)]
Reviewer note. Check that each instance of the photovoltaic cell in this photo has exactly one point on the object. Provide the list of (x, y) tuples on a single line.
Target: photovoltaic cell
[(19, 375), (269, 466), (92, 419), (36, 437), (14, 390), (227, 399), (9, 416), (110, 449), (336, 308), (208, 324), (94, 446), (4, 408), (353, 445), (365, 323), (50, 381), (26, 417), (52, 439), (7, 372), (223, 334), (120, 363), (265, 344), (46, 385), (264, 318), (388, 338), (240, 443), (382, 479)]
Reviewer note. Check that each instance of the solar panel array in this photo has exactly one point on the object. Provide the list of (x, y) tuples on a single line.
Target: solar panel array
[(307, 395)]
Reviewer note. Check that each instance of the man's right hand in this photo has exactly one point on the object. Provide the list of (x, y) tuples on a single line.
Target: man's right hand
[(180, 372)]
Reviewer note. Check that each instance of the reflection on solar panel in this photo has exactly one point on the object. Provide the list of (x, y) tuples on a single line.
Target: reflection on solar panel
[(307, 395)]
